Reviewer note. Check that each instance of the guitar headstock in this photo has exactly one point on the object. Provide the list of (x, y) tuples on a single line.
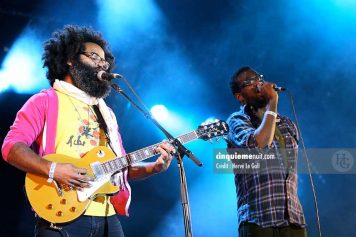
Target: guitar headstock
[(211, 130)]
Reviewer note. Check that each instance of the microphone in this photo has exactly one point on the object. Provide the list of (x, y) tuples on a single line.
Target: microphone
[(278, 88), (106, 76)]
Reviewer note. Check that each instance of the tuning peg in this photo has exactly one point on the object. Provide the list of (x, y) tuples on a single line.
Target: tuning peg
[(211, 141), (217, 139)]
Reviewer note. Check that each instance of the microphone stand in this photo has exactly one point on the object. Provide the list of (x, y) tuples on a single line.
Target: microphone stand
[(181, 151)]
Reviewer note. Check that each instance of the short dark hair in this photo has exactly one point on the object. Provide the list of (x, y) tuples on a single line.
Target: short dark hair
[(234, 83), (66, 45)]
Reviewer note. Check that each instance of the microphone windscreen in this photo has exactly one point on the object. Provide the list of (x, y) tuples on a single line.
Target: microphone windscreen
[(101, 75)]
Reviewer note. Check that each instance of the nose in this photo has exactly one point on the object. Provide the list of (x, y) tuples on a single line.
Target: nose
[(103, 65)]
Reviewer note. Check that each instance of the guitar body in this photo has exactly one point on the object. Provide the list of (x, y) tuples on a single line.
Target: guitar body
[(54, 207), (62, 204)]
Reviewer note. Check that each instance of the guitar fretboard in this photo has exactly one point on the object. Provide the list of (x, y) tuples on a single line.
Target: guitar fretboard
[(119, 163)]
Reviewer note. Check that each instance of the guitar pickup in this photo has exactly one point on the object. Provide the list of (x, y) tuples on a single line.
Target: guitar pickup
[(98, 170)]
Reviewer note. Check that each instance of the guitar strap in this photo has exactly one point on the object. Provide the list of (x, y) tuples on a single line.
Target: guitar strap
[(102, 124), (120, 200)]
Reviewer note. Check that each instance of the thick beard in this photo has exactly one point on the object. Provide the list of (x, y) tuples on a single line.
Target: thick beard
[(85, 78)]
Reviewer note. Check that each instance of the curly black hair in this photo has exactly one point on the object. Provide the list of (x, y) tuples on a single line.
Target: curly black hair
[(65, 45), (234, 83)]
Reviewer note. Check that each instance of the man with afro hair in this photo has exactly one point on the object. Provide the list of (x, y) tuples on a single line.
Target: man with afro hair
[(71, 118)]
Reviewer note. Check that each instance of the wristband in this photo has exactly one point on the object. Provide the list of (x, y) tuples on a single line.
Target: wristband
[(51, 172), (274, 114)]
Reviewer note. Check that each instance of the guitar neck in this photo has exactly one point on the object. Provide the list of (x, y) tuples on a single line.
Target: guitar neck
[(119, 163)]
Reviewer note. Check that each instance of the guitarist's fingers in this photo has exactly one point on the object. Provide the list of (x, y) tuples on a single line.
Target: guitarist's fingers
[(163, 152), (167, 147), (163, 162), (78, 184), (84, 178), (81, 175), (74, 183), (82, 171)]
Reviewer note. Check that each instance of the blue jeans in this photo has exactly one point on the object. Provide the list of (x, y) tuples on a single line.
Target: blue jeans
[(83, 226)]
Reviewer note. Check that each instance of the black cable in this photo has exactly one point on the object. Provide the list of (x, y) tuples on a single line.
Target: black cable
[(307, 162)]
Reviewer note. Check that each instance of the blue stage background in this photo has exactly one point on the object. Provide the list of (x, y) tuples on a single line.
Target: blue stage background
[(181, 54)]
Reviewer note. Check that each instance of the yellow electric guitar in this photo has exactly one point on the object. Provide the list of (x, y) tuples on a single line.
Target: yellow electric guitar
[(58, 203)]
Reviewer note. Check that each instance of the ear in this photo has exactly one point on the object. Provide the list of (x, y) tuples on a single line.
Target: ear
[(70, 64), (239, 97)]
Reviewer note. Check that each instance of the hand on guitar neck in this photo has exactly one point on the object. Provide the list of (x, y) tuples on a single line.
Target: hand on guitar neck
[(142, 170), (164, 161)]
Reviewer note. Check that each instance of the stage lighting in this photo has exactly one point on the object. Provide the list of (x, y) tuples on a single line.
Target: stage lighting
[(22, 67), (159, 112)]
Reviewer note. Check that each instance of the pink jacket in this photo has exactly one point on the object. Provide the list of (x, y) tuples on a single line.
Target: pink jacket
[(39, 114)]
